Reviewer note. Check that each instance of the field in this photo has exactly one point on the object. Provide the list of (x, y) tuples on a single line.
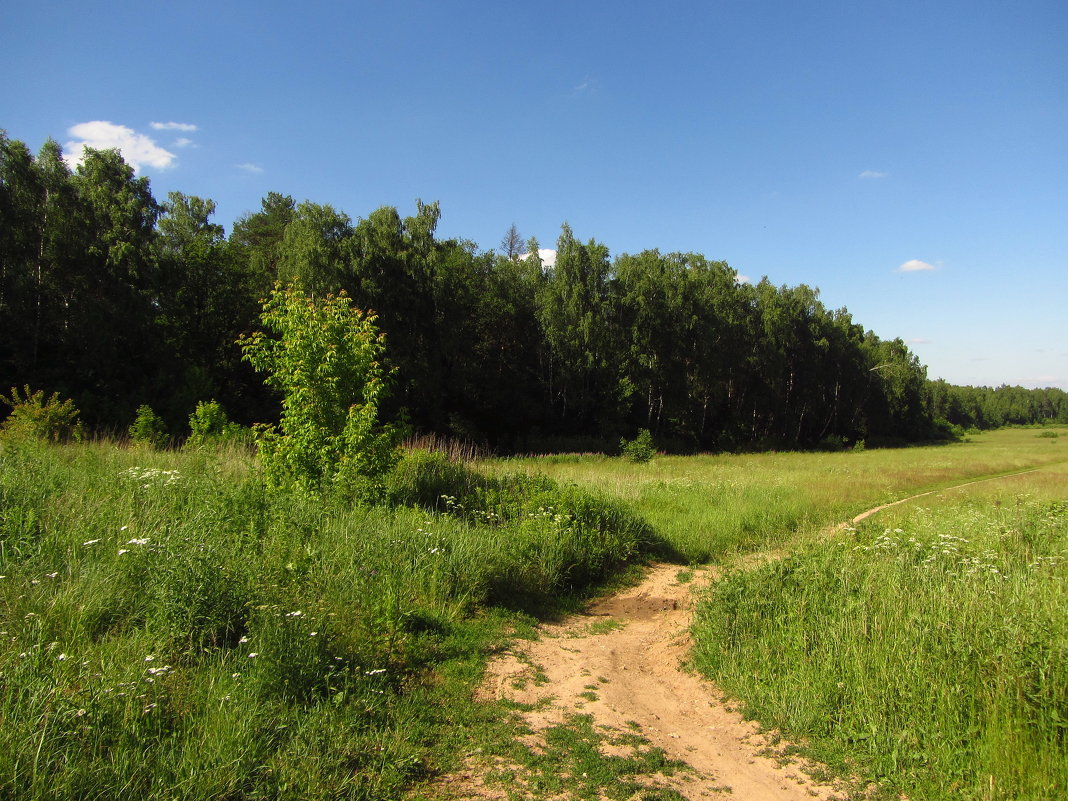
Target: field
[(708, 507), (172, 629)]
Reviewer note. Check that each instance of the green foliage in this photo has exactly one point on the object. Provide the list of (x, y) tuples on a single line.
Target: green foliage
[(640, 449), (171, 623), (426, 478), (209, 426), (34, 417), (549, 538), (328, 365), (149, 429), (929, 655)]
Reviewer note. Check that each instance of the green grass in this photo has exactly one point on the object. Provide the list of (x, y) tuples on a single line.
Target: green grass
[(711, 506), (172, 629), (927, 649)]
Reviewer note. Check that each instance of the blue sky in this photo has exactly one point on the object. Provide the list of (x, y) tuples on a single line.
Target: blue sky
[(826, 143)]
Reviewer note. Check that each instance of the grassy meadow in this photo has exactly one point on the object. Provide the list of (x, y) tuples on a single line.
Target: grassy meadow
[(926, 648), (170, 628), (710, 506)]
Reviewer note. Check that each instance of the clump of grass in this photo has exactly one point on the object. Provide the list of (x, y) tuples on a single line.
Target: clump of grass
[(538, 538), (930, 654)]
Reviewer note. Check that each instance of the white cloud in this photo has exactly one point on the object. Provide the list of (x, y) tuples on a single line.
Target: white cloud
[(137, 149), (547, 256), (173, 126), (915, 266), (253, 169), (873, 174), (587, 84), (182, 142), (742, 279)]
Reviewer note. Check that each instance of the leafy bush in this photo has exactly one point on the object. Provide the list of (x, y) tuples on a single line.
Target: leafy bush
[(328, 364), (33, 416), (640, 449), (209, 426), (149, 429)]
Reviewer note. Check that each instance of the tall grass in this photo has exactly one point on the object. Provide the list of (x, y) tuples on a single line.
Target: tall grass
[(927, 649), (172, 629), (710, 506)]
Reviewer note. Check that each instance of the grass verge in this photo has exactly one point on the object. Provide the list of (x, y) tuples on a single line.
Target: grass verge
[(925, 650)]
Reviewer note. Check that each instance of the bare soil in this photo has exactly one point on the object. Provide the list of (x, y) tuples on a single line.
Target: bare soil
[(628, 652)]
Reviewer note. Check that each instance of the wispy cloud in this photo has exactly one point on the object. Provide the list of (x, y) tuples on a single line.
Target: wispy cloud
[(872, 174), (137, 149), (187, 127), (183, 141), (252, 169), (585, 86), (742, 279), (915, 266)]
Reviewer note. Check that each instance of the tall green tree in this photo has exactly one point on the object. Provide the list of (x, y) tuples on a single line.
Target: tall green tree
[(575, 312)]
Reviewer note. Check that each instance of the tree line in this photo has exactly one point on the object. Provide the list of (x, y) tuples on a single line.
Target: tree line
[(116, 299)]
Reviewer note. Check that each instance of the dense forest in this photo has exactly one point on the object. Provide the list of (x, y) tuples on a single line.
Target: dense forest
[(115, 299)]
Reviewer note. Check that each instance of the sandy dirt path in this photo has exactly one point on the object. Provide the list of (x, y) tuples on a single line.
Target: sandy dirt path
[(623, 662), (632, 647)]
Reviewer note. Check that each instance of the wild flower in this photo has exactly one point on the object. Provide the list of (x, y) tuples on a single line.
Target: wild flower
[(91, 542), (147, 476), (253, 655)]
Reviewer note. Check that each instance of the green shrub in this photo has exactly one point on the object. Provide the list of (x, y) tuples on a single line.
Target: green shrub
[(328, 365), (148, 429), (209, 426), (34, 417), (640, 449)]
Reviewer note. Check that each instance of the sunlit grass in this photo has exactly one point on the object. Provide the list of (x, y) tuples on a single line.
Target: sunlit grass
[(926, 648), (173, 629), (709, 506)]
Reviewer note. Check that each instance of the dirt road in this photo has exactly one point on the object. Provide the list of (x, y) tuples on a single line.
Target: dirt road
[(632, 647)]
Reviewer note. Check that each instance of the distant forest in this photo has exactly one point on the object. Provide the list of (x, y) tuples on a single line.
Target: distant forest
[(115, 299)]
